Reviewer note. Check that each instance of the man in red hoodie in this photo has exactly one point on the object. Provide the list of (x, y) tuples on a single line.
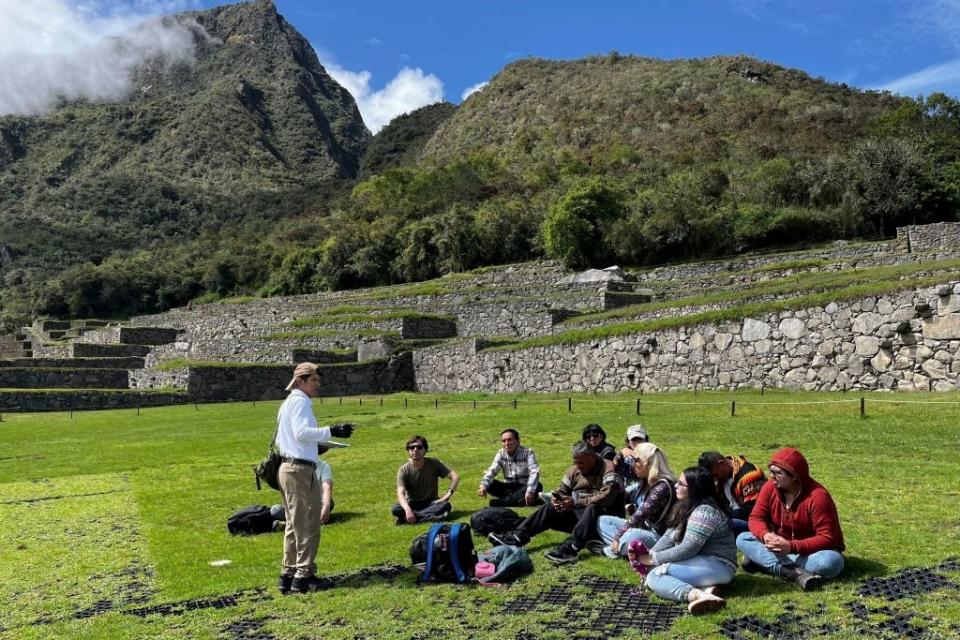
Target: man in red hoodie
[(794, 527)]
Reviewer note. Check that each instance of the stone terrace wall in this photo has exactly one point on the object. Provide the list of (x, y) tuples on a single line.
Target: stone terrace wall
[(157, 379), (268, 382), (907, 341), (33, 378), (26, 401), (9, 346), (931, 237), (838, 251), (74, 363), (245, 350)]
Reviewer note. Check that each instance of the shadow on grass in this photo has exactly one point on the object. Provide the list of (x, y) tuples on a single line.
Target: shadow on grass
[(861, 568), (339, 517)]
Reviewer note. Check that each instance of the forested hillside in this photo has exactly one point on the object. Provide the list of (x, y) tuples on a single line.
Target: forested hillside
[(245, 173)]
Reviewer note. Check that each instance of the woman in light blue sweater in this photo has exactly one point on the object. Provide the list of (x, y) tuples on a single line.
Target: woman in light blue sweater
[(698, 551)]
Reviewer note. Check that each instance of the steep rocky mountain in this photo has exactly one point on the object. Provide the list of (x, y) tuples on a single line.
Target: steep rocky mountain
[(253, 128)]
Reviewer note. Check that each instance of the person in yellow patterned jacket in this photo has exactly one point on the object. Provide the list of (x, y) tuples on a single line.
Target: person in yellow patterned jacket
[(738, 484)]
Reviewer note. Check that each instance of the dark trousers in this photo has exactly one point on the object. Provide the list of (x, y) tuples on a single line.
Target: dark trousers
[(422, 509), (509, 494), (580, 523)]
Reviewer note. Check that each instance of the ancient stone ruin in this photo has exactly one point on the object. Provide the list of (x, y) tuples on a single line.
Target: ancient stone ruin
[(467, 332)]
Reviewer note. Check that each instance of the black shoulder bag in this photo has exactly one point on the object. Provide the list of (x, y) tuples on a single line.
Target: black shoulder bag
[(269, 468)]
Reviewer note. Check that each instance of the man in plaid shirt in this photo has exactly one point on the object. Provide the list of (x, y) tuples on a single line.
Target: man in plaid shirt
[(521, 474)]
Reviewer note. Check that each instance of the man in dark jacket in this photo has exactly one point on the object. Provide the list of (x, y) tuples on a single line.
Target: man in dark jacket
[(590, 488), (794, 527)]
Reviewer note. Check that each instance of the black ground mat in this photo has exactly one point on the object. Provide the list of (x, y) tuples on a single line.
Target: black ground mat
[(184, 606), (247, 630), (789, 625), (632, 609), (869, 621), (909, 582)]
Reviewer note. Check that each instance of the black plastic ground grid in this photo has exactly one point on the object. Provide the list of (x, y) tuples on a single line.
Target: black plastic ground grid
[(786, 626), (248, 630), (98, 607), (908, 582), (183, 606), (950, 564), (632, 609)]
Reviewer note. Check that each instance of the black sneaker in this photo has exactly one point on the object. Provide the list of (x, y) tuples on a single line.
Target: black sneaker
[(508, 538), (284, 584), (307, 585), (597, 547), (563, 553)]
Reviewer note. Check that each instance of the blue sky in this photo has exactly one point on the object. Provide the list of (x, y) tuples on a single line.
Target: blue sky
[(396, 56), (910, 47)]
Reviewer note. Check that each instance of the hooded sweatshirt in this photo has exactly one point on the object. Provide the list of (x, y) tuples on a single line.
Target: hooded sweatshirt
[(811, 523)]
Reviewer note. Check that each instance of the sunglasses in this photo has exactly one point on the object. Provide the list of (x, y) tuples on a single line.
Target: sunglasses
[(593, 435), (415, 447)]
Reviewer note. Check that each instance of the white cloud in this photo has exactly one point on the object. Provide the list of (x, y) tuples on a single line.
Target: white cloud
[(942, 77), (53, 50), (469, 91), (410, 89)]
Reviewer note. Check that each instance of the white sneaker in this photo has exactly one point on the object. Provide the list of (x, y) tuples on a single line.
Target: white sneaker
[(702, 601)]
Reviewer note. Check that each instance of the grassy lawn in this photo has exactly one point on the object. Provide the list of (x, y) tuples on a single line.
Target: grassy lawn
[(109, 514)]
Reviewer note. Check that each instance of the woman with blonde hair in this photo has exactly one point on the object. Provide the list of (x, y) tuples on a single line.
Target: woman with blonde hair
[(655, 498)]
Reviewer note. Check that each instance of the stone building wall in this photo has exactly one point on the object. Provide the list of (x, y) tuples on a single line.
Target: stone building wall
[(942, 236), (906, 341)]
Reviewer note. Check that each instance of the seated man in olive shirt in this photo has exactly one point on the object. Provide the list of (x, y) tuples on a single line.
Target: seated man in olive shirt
[(417, 486)]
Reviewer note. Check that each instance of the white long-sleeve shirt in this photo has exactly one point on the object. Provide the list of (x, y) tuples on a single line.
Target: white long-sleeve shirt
[(298, 433)]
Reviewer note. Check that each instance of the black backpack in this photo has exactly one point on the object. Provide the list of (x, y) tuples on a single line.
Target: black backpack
[(251, 520), (495, 520), (446, 553)]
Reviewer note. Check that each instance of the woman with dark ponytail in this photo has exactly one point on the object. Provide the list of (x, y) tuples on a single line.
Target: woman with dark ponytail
[(698, 551)]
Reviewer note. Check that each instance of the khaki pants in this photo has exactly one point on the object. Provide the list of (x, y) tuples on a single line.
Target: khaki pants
[(302, 501)]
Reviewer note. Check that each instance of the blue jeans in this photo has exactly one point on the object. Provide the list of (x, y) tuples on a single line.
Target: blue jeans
[(674, 580), (739, 526), (827, 564), (607, 527)]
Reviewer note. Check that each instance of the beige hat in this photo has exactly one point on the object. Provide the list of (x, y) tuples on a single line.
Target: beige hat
[(637, 431), (303, 369)]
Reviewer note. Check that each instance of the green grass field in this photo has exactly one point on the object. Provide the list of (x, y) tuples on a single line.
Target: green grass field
[(109, 513)]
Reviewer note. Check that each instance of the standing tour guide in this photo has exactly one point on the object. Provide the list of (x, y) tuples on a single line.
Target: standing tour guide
[(298, 436)]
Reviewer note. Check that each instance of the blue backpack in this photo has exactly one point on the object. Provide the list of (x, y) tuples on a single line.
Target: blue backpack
[(446, 554)]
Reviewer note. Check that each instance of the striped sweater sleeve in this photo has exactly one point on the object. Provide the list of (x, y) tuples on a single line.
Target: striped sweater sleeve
[(700, 525)]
